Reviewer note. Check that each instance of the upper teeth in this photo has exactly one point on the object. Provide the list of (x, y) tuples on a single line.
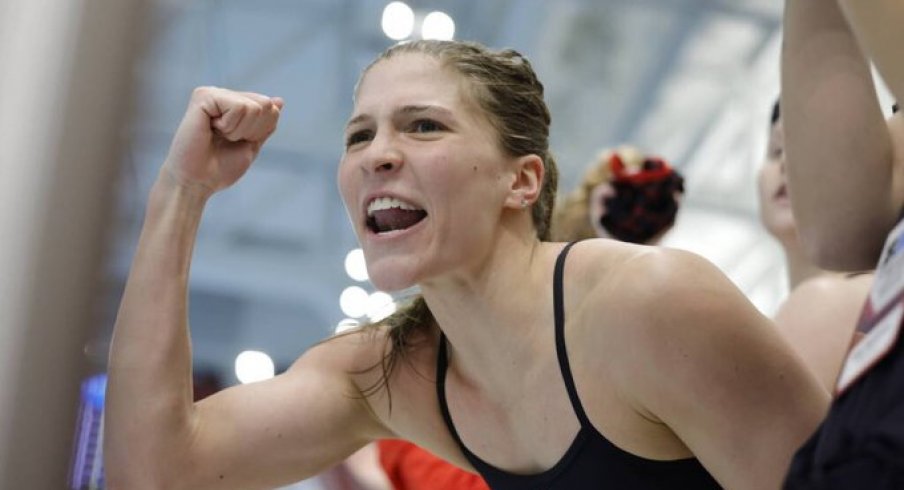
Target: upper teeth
[(382, 203)]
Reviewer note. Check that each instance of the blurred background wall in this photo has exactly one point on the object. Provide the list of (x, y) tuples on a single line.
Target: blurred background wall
[(66, 68)]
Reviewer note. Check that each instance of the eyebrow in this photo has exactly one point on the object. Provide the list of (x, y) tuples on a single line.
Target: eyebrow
[(413, 109), (356, 120), (408, 109)]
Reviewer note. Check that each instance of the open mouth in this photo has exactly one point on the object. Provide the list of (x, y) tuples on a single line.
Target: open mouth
[(385, 214)]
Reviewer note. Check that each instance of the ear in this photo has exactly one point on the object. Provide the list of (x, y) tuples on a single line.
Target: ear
[(526, 183)]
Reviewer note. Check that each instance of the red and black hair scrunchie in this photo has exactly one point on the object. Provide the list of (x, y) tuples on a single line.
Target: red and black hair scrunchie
[(644, 204)]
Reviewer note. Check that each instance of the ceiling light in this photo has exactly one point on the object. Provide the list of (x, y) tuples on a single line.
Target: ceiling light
[(398, 21), (438, 25)]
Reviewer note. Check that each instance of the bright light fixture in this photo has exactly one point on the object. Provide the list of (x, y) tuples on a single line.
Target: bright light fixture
[(353, 301), (398, 21), (379, 306), (355, 265), (252, 366), (438, 25)]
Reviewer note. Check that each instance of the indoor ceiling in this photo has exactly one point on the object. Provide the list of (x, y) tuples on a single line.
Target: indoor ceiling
[(691, 80)]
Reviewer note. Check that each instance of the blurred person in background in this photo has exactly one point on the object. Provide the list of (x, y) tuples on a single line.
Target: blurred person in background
[(819, 315), (846, 175), (625, 195)]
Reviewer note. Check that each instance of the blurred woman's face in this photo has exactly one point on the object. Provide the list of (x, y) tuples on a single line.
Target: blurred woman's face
[(775, 201)]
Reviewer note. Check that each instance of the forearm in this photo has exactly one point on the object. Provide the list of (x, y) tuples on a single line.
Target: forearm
[(838, 148), (149, 393)]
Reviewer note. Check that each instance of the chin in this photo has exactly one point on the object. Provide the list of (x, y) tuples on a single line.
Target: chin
[(782, 230), (388, 276)]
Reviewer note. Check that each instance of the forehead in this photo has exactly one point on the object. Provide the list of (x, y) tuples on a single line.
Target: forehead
[(410, 79)]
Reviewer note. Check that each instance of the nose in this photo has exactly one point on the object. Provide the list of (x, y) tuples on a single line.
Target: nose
[(383, 155)]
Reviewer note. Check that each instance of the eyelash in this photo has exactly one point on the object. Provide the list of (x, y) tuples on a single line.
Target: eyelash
[(364, 135), (357, 137), (437, 126)]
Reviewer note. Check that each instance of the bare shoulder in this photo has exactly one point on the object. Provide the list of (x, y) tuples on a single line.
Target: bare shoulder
[(345, 364), (827, 296), (832, 286), (351, 361), (350, 352), (396, 384), (819, 317), (642, 283), (364, 357), (666, 304), (599, 266)]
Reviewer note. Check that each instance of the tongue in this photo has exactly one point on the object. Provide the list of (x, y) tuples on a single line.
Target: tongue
[(397, 219)]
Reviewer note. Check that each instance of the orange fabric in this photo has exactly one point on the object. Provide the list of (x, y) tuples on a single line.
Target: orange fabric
[(411, 468)]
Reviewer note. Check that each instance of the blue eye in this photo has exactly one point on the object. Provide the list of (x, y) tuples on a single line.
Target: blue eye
[(426, 126)]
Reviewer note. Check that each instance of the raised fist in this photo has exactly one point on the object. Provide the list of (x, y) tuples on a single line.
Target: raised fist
[(220, 136)]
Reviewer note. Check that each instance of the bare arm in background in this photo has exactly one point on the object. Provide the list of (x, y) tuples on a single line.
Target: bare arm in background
[(258, 435), (846, 191), (879, 27)]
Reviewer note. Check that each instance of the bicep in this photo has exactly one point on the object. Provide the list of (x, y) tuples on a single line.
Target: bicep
[(282, 430)]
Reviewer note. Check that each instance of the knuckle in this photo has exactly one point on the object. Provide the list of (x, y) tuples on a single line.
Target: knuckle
[(202, 91)]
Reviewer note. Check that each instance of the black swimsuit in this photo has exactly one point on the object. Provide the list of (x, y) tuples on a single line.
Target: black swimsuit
[(592, 462)]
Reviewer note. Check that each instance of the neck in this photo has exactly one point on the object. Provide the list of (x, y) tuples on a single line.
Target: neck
[(800, 268), (494, 303)]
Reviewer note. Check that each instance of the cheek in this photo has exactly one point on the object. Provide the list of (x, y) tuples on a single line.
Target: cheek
[(345, 180), (448, 177), (767, 180), (761, 187)]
